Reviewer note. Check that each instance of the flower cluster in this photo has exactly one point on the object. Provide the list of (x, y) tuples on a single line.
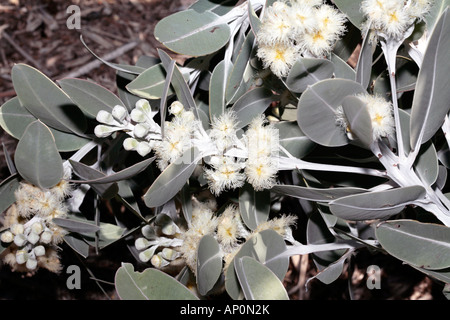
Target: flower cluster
[(392, 18), (229, 160), (381, 116), (296, 28), (227, 228), (30, 233)]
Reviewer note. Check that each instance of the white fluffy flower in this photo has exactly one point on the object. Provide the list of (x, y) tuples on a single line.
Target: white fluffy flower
[(380, 112), (223, 130), (278, 57), (225, 174)]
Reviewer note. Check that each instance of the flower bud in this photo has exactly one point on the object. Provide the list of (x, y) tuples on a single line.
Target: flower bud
[(143, 148), (7, 237), (140, 130), (21, 256), (20, 240), (146, 255), (143, 105), (37, 228), (17, 228), (39, 251), (119, 113), (46, 237), (148, 232), (130, 144), (104, 117), (158, 261), (31, 264), (170, 229), (33, 238), (102, 131), (170, 254), (137, 115), (141, 244), (176, 108)]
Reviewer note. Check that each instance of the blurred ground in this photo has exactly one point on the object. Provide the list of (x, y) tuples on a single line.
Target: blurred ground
[(35, 32)]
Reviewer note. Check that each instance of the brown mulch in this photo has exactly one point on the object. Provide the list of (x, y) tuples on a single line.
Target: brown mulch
[(35, 32)]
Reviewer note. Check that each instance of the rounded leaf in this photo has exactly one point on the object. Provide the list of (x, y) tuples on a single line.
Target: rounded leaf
[(151, 284), (209, 264), (37, 159), (192, 33), (263, 246), (307, 71), (316, 112), (259, 282)]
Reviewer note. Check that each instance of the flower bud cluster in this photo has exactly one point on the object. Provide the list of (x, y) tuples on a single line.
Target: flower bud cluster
[(296, 28), (144, 132), (31, 235)]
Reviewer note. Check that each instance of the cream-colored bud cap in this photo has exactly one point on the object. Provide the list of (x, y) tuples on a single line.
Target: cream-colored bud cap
[(21, 256), (7, 237), (20, 240), (119, 113)]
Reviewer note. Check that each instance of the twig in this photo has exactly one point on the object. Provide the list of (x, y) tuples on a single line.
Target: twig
[(22, 52), (96, 63)]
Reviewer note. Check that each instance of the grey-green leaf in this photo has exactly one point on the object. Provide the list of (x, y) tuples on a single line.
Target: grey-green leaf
[(37, 159), (172, 179), (431, 96), (359, 120), (151, 284), (192, 33), (316, 194), (316, 112), (258, 282), (89, 96), (46, 101), (209, 263), (7, 189), (423, 245), (352, 9), (307, 71), (293, 139), (252, 104), (254, 206), (263, 246), (105, 190), (376, 205)]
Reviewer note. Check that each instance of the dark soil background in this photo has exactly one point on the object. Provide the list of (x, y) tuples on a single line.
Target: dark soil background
[(35, 32)]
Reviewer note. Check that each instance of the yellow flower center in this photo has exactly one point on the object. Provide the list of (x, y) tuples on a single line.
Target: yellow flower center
[(279, 55), (378, 119)]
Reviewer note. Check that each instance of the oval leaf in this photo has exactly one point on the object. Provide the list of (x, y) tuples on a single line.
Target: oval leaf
[(46, 101), (192, 33), (254, 206), (293, 139), (316, 112), (359, 120), (209, 264), (423, 245), (376, 205), (152, 284), (263, 246), (258, 282), (252, 104), (172, 179), (37, 159), (7, 190), (89, 96), (307, 71)]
